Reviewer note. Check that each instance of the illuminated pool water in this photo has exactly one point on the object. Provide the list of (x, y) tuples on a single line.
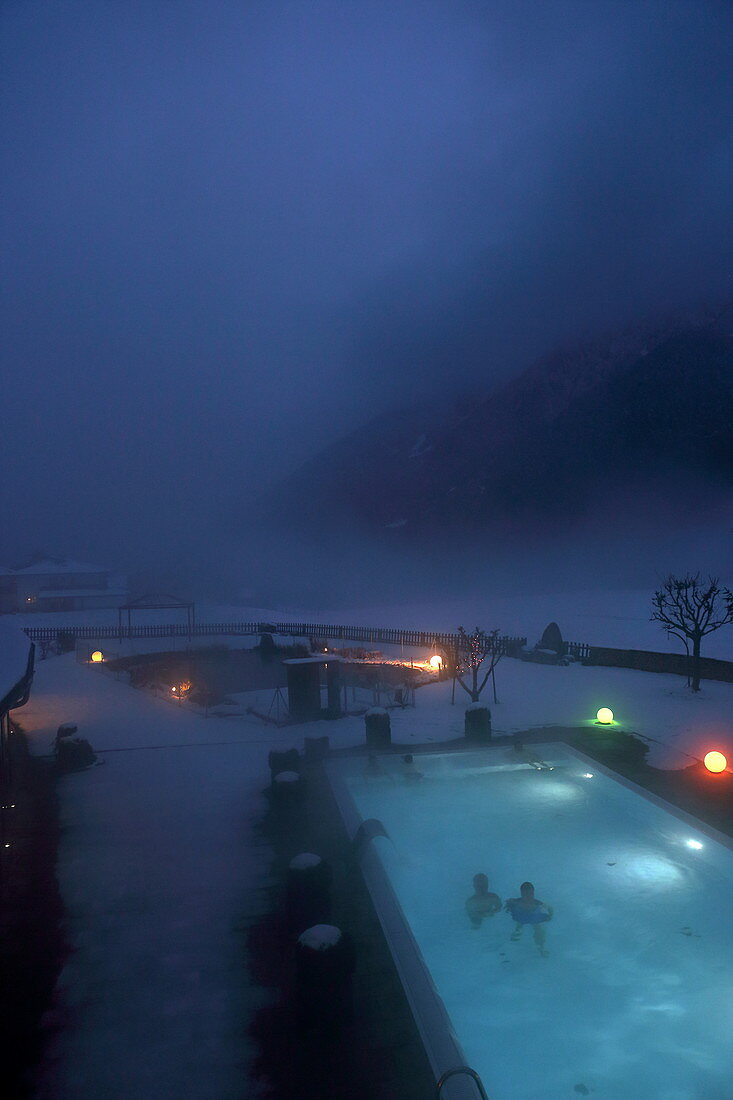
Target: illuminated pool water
[(636, 996)]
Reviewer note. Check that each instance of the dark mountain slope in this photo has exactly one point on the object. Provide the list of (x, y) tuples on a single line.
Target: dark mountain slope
[(650, 408)]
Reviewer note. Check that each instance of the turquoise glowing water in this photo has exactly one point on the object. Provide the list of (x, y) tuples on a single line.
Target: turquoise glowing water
[(636, 996)]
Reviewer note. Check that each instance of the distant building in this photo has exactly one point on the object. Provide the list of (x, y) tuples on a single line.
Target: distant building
[(8, 591), (55, 584)]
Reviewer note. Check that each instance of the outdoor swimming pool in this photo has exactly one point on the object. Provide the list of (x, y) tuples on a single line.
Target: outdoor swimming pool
[(636, 996)]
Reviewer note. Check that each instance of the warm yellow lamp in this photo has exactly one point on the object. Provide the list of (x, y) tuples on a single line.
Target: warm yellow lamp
[(436, 662), (97, 656), (715, 761), (604, 716)]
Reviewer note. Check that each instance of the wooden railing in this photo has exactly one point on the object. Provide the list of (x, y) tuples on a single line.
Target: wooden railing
[(647, 660), (368, 634), (642, 660)]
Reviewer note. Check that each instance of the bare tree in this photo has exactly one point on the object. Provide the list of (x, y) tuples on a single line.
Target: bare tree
[(476, 653), (689, 610)]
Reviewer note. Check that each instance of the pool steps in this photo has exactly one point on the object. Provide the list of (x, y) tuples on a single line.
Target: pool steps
[(453, 1072)]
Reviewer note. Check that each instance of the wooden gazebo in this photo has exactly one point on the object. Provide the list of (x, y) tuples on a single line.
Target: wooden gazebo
[(156, 602)]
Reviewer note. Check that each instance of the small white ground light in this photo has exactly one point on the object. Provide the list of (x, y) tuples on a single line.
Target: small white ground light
[(694, 844)]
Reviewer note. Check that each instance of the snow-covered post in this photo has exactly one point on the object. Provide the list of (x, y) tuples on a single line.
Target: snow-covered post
[(324, 966), (288, 795), (477, 725), (378, 728), (308, 891), (288, 761)]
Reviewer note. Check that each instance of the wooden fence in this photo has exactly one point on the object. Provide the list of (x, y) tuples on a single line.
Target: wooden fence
[(641, 659), (646, 660), (367, 634)]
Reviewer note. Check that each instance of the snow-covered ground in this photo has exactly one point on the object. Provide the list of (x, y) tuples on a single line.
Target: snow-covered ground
[(618, 618), (160, 867), (615, 618), (158, 873)]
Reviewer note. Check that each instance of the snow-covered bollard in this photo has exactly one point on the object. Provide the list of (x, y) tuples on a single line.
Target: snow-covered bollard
[(288, 791), (283, 762), (324, 966), (378, 728), (308, 891), (477, 723)]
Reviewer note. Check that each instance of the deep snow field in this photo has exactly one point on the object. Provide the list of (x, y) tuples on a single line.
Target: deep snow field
[(616, 618), (161, 866)]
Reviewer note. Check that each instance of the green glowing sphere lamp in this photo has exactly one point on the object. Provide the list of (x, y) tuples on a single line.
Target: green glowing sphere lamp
[(604, 716)]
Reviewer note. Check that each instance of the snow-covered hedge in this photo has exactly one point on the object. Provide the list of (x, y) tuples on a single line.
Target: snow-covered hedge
[(286, 777), (304, 861), (320, 937)]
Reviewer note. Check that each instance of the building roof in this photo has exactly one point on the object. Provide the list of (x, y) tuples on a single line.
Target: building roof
[(72, 593), (154, 601), (58, 565)]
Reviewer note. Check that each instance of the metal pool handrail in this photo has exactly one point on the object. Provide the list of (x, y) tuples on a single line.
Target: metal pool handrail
[(452, 1073)]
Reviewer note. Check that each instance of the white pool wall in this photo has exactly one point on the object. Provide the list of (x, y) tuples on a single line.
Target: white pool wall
[(431, 1018)]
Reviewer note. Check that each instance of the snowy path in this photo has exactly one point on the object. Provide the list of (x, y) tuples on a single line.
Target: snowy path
[(160, 867), (158, 870)]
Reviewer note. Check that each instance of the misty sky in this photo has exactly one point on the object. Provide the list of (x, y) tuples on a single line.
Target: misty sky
[(233, 228)]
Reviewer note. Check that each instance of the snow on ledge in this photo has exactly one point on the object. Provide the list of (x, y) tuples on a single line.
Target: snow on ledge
[(14, 649), (375, 710), (286, 777), (304, 861), (477, 706), (320, 937)]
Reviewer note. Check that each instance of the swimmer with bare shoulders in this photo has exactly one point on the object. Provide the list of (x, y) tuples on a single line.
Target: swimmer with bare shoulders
[(373, 767), (482, 902), (410, 774), (527, 909)]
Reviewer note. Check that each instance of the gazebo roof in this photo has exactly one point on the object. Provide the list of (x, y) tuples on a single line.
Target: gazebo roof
[(155, 601)]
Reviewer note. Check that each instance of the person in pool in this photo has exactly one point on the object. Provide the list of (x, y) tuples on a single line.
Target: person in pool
[(527, 909), (410, 772), (482, 903), (373, 767)]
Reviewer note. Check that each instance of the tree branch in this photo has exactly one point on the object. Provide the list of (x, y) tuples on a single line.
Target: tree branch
[(466, 689)]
